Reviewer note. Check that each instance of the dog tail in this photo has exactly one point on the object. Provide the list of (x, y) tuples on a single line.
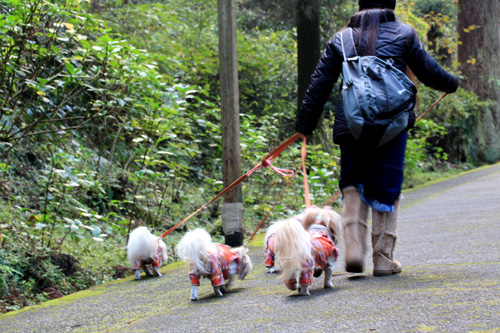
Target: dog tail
[(275, 225), (292, 247), (272, 229), (139, 246), (196, 246)]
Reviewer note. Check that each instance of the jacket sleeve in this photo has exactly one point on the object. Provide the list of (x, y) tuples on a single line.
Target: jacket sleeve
[(322, 80), (427, 69)]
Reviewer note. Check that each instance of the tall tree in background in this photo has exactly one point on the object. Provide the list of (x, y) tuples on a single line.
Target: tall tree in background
[(479, 57), (308, 43), (306, 16)]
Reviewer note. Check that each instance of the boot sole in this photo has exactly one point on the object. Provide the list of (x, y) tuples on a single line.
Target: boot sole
[(385, 273), (354, 267)]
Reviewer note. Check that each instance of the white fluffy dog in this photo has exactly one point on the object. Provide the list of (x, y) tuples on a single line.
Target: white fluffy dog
[(269, 242), (214, 261), (143, 248), (305, 251)]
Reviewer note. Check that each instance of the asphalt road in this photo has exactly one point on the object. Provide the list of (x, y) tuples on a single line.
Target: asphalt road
[(449, 246)]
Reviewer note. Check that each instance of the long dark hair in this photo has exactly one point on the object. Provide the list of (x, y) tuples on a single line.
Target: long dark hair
[(367, 23)]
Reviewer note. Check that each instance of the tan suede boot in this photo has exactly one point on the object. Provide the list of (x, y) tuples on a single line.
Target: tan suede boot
[(384, 241), (355, 213)]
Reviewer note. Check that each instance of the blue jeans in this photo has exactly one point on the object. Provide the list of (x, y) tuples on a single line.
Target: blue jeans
[(377, 173)]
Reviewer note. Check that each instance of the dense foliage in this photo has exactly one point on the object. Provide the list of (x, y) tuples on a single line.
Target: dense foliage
[(110, 118)]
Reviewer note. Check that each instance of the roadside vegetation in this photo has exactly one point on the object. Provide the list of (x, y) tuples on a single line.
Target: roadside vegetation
[(110, 119)]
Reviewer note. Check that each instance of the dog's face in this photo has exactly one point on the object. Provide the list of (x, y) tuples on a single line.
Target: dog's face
[(246, 263)]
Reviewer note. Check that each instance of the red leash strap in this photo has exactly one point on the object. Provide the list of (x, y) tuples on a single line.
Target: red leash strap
[(266, 162), (306, 189), (304, 173), (272, 155), (278, 150), (261, 223), (224, 191), (430, 107)]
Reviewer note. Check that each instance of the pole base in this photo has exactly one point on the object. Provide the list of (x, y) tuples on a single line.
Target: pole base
[(234, 239)]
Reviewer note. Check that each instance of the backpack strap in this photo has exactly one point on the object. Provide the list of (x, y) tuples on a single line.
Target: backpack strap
[(347, 41)]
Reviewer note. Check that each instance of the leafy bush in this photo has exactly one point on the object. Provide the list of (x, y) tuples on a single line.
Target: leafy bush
[(110, 119)]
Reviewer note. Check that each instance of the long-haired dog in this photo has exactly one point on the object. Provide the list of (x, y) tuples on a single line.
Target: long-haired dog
[(269, 242), (144, 249), (214, 261), (305, 251)]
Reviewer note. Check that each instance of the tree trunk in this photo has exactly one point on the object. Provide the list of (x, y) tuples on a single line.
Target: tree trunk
[(308, 43), (479, 56), (232, 211)]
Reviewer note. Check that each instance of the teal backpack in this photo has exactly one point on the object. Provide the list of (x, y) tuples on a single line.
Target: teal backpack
[(377, 97)]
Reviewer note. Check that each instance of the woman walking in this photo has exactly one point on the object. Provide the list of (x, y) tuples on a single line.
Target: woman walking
[(370, 176)]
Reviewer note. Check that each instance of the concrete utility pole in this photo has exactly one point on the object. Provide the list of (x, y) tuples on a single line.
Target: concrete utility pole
[(232, 211)]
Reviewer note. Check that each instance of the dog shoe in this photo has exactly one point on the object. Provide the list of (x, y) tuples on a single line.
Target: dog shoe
[(304, 290), (156, 271), (218, 292)]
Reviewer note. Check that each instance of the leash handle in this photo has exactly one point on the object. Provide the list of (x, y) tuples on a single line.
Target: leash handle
[(429, 108), (278, 150)]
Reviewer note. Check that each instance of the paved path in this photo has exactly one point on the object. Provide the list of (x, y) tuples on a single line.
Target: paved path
[(449, 247)]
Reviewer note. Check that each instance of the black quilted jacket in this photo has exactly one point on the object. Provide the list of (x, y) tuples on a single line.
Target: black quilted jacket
[(396, 41)]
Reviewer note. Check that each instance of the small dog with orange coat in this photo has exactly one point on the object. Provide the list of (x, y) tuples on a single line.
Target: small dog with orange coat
[(214, 261), (307, 250), (145, 249)]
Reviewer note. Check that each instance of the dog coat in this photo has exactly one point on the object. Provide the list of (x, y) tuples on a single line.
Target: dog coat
[(155, 261), (322, 248), (219, 266), (269, 262)]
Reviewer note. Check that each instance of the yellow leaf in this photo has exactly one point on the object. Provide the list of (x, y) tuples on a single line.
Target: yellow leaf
[(34, 218), (40, 93), (69, 26), (472, 61), (471, 27)]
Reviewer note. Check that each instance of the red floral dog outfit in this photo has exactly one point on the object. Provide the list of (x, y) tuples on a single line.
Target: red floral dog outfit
[(322, 248), (156, 261), (219, 262)]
